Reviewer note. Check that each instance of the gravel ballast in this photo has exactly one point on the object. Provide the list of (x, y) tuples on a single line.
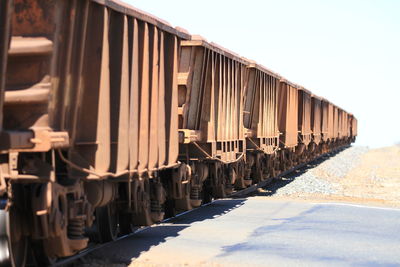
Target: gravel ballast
[(320, 176)]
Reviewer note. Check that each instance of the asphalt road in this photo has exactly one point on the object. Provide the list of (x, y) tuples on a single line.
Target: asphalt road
[(258, 231)]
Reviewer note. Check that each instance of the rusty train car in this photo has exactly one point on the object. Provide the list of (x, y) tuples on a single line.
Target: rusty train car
[(110, 118)]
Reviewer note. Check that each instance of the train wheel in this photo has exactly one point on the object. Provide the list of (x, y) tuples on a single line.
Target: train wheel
[(241, 169), (142, 202), (13, 244), (259, 168), (218, 180), (107, 219), (206, 194)]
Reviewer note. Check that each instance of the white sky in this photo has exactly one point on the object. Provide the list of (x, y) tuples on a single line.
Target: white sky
[(347, 51)]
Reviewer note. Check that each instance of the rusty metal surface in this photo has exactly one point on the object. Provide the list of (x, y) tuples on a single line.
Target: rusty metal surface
[(304, 117), (5, 17), (288, 114), (316, 119), (353, 124), (325, 120), (128, 109), (131, 11), (261, 109), (335, 122), (211, 84), (331, 119), (28, 64), (342, 117), (344, 124), (27, 84), (33, 18)]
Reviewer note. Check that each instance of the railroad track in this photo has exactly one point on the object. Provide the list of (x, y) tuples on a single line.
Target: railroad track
[(237, 194)]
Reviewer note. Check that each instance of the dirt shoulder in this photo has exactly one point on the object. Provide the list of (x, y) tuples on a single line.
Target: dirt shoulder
[(356, 176)]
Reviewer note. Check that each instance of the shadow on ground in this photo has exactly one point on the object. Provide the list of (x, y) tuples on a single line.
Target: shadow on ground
[(117, 253)]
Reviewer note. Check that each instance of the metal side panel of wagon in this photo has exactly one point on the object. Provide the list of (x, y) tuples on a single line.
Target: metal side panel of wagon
[(288, 123), (335, 123), (116, 88), (316, 119), (304, 120), (330, 121), (353, 128), (288, 114)]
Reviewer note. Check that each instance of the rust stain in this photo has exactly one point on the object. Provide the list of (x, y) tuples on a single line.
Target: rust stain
[(33, 18)]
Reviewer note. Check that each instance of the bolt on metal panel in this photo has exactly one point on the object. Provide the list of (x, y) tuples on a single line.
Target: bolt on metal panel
[(261, 109)]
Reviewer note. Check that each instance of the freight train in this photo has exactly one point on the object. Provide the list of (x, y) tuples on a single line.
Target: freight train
[(110, 118)]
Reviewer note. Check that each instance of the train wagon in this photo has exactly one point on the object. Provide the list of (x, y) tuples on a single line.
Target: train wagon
[(261, 121), (211, 86), (89, 106)]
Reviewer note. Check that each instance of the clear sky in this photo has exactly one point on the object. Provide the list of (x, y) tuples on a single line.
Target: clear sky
[(347, 51)]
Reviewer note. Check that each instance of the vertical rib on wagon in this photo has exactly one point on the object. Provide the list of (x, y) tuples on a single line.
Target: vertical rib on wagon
[(304, 118), (316, 119)]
